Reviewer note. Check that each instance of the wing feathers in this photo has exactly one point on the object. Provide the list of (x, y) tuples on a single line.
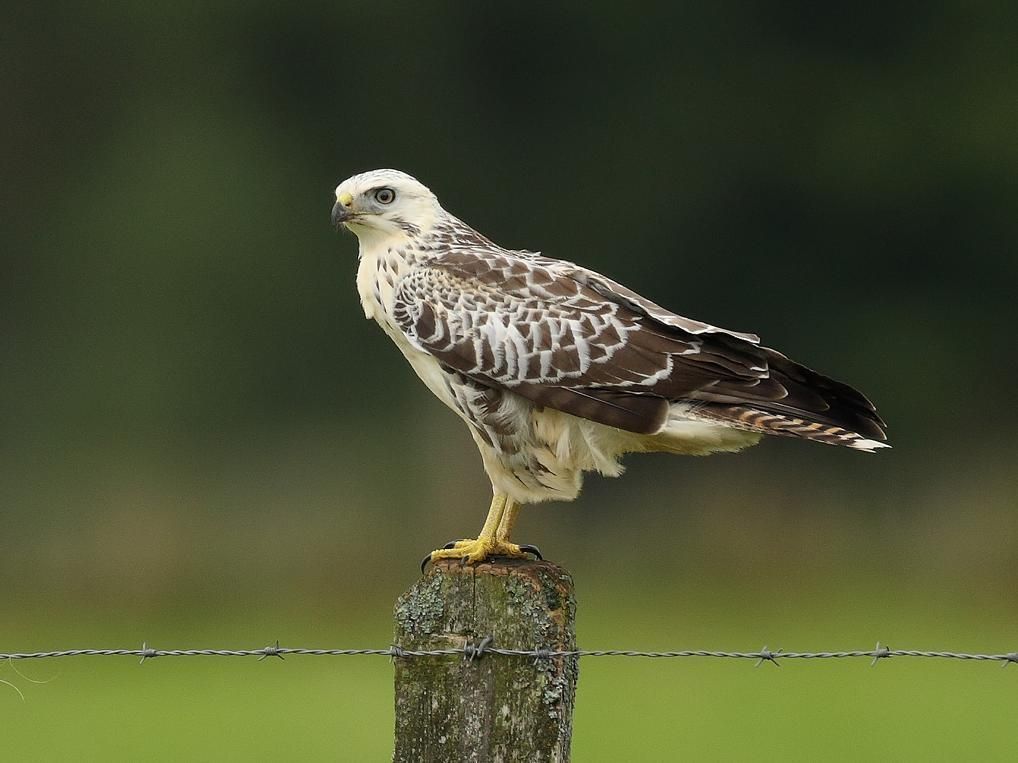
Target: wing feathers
[(570, 339), (643, 414)]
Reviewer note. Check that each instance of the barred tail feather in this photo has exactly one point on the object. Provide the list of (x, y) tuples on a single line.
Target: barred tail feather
[(752, 419)]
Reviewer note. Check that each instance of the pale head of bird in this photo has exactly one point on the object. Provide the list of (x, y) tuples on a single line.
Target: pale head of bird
[(384, 203)]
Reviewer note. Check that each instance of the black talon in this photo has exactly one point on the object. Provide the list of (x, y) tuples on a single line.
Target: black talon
[(528, 548), (425, 560), (531, 549)]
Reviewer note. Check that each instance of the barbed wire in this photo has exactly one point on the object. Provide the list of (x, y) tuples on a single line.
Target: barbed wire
[(474, 651)]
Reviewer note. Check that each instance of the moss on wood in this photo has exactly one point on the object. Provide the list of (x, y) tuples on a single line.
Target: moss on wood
[(496, 708)]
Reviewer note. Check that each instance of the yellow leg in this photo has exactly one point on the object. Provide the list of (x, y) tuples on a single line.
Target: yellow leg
[(492, 541), (494, 518), (509, 516)]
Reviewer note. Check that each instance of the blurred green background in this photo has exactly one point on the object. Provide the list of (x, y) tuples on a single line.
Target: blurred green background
[(204, 443)]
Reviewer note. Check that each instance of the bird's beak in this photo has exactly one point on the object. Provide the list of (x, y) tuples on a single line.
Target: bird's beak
[(340, 214), (343, 210)]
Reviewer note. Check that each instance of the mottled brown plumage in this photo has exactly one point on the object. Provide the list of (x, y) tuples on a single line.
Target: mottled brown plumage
[(567, 338), (557, 369)]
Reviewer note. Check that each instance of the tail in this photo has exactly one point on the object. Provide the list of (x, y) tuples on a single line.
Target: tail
[(766, 422), (815, 408)]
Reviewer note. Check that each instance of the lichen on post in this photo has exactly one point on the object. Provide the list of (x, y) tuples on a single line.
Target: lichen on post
[(496, 707)]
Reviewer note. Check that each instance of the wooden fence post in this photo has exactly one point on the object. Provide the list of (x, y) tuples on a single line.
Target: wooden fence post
[(496, 708)]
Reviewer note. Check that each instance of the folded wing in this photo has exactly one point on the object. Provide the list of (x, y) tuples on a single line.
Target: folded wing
[(571, 339)]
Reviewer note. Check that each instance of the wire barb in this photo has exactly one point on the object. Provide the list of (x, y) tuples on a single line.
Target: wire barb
[(541, 655), (473, 652), (272, 651), (766, 655), (146, 653), (880, 653)]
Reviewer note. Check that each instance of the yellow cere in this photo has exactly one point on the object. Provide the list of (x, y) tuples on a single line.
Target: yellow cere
[(346, 199)]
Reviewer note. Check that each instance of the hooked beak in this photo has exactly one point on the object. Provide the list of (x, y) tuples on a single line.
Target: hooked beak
[(341, 212)]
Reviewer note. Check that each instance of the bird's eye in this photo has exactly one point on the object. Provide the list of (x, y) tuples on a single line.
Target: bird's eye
[(385, 196)]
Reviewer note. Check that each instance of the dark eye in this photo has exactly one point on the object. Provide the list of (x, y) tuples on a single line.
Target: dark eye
[(385, 196)]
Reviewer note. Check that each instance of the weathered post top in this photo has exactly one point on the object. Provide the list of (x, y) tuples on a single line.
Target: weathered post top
[(497, 708)]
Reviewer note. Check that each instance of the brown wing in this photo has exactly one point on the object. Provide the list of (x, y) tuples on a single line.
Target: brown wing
[(570, 339)]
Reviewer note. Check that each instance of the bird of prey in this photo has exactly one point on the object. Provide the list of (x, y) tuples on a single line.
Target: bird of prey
[(558, 370)]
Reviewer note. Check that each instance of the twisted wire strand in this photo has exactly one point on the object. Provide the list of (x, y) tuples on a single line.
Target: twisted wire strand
[(473, 651)]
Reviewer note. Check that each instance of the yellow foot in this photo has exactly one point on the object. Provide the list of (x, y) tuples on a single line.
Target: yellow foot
[(474, 551)]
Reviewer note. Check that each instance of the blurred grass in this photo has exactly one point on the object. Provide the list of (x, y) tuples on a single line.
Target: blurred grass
[(325, 708), (238, 544)]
